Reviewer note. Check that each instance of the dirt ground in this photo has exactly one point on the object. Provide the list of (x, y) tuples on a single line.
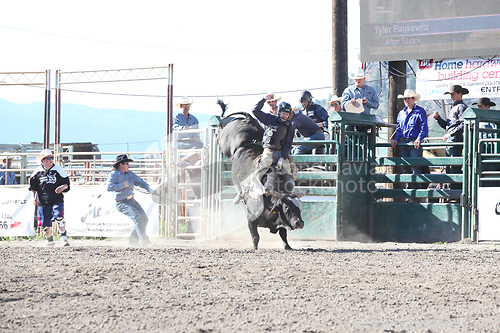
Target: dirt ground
[(225, 286)]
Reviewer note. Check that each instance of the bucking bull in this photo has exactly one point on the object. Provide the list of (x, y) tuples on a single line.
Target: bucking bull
[(275, 206)]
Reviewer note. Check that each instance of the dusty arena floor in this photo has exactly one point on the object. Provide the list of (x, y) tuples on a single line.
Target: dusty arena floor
[(224, 286)]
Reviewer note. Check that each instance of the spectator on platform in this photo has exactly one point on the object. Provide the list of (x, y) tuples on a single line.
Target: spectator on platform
[(185, 121), (314, 111), (485, 103), (411, 128), (360, 90), (272, 100), (335, 104), (454, 127), (308, 130), (9, 177)]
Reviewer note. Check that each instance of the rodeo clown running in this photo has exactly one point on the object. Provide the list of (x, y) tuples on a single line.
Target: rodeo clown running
[(48, 182), (277, 142)]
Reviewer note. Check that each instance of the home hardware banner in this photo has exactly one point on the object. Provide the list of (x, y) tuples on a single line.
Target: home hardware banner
[(481, 76)]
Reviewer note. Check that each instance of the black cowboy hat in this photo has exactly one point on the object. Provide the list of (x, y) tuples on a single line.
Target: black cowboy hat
[(484, 101), (457, 89), (122, 159)]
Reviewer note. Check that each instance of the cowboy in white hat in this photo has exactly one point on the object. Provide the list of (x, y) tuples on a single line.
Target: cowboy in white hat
[(272, 100), (411, 128), (335, 104), (185, 121), (47, 183), (362, 91), (9, 177), (454, 126)]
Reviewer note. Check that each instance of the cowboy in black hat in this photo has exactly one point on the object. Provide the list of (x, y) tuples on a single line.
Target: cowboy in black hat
[(454, 125), (485, 103), (121, 181)]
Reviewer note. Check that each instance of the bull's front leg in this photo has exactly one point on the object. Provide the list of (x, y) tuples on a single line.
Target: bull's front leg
[(283, 235), (252, 226)]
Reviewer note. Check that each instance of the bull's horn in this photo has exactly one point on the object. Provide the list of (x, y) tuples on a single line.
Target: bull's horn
[(301, 194), (275, 194)]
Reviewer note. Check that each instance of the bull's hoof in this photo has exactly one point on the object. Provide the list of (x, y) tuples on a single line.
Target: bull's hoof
[(288, 248)]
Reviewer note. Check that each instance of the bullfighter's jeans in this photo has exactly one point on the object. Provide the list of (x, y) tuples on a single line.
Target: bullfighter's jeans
[(132, 209)]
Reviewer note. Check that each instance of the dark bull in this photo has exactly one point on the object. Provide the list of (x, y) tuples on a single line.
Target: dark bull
[(278, 209)]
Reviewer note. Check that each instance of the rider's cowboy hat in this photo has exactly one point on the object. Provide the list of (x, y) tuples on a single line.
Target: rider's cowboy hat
[(184, 100), (410, 93), (360, 74), (457, 89)]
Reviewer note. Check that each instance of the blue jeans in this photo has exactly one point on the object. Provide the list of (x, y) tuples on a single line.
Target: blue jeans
[(134, 211), (49, 213), (410, 151), (307, 149)]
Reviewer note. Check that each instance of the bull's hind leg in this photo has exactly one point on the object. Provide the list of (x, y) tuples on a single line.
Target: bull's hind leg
[(283, 236), (255, 234)]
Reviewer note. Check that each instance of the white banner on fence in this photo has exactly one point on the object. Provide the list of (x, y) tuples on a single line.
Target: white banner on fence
[(88, 211), (91, 211), (480, 76), (17, 212), (488, 206)]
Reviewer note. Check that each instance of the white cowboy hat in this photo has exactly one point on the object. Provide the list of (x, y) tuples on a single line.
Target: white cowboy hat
[(274, 97), (334, 98), (184, 100), (6, 155), (44, 153), (360, 74), (410, 93)]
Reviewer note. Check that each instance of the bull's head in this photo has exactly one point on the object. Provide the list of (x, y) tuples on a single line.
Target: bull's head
[(289, 207)]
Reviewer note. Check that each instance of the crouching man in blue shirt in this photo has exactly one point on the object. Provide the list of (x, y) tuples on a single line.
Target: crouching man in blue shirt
[(121, 181)]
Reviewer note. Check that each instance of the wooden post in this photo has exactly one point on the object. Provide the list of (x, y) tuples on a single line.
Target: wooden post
[(339, 45), (397, 85)]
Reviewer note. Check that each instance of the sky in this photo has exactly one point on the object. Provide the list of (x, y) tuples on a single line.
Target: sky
[(233, 49)]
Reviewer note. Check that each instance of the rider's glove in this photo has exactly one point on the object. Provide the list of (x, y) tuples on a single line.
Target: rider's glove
[(279, 164)]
